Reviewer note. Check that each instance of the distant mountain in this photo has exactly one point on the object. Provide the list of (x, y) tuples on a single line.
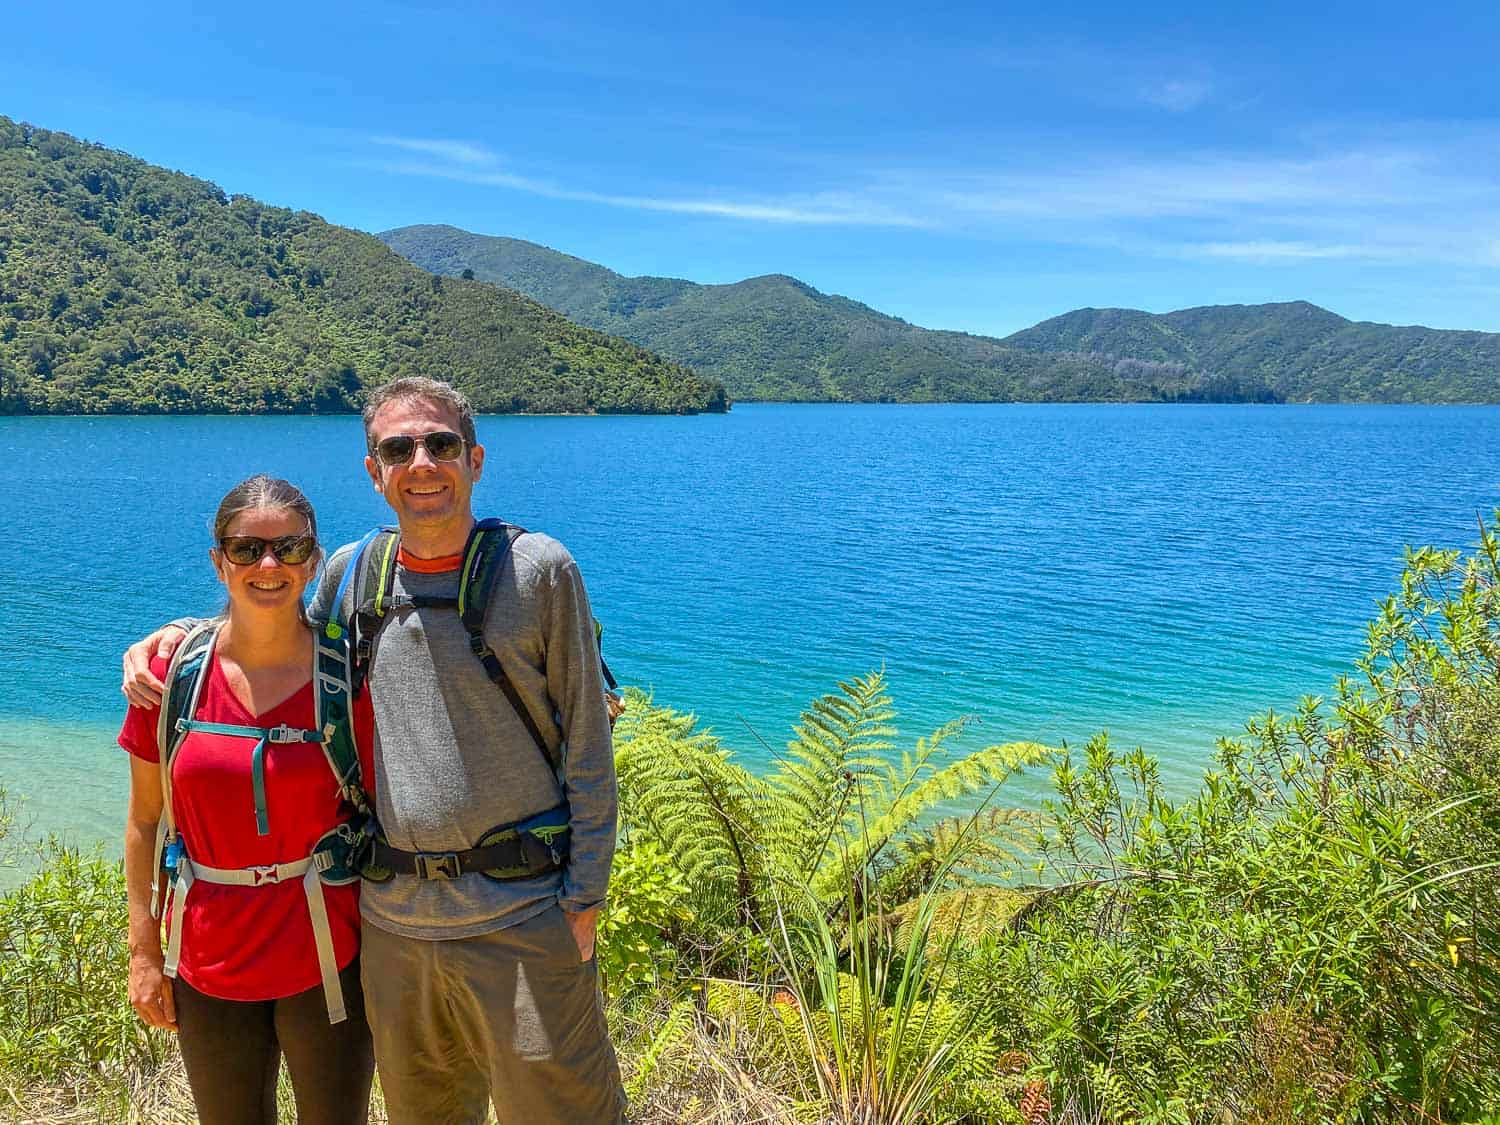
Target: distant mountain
[(127, 288), (1295, 351), (774, 337)]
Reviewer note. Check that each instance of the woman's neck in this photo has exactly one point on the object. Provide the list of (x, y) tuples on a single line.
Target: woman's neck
[(254, 640)]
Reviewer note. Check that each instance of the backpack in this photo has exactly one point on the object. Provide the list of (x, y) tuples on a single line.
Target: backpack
[(336, 857), (369, 573)]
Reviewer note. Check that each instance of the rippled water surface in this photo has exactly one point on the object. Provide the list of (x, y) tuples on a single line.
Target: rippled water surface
[(1162, 572)]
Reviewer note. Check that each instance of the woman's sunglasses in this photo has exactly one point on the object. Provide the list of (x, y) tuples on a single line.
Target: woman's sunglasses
[(444, 445), (247, 550)]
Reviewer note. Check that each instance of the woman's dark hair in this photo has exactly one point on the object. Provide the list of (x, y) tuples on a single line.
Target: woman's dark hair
[(262, 491)]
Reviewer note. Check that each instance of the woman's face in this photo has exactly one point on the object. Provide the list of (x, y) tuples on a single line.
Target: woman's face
[(268, 584)]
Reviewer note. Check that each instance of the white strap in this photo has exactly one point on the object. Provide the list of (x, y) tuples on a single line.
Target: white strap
[(177, 904), (157, 873), (317, 908), (333, 993), (253, 876)]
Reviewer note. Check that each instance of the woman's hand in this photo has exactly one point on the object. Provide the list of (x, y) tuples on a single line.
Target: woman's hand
[(151, 991)]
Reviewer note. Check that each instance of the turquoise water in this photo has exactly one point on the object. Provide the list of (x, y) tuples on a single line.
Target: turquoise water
[(1162, 572)]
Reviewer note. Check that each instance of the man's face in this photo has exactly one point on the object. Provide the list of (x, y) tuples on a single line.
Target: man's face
[(429, 496)]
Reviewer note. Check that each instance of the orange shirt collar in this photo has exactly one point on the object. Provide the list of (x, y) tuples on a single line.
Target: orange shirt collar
[(429, 566)]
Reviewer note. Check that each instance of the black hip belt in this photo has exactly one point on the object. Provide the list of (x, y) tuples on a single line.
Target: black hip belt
[(505, 853)]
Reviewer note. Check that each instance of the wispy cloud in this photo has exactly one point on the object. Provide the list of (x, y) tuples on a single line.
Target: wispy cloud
[(1115, 75), (1269, 251), (459, 152), (1177, 94), (1416, 197), (473, 164)]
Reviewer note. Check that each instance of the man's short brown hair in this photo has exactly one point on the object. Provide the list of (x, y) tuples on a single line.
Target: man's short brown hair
[(419, 386)]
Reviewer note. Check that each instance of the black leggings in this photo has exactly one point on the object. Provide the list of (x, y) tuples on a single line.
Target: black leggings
[(233, 1050)]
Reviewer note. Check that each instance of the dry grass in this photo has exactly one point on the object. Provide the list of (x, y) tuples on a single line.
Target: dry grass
[(160, 1098)]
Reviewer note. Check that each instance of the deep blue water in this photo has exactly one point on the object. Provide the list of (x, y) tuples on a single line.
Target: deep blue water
[(1162, 572)]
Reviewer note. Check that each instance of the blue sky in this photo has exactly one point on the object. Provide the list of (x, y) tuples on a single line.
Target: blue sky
[(978, 167)]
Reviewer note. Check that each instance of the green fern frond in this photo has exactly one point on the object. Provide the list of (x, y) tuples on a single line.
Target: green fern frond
[(982, 846), (970, 913), (980, 771), (842, 738), (674, 1031), (680, 788)]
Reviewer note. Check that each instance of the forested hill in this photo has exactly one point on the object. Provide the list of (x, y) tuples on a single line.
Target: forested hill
[(128, 288), (776, 338), (1294, 351)]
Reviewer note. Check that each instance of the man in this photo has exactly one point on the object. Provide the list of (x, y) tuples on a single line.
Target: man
[(476, 989)]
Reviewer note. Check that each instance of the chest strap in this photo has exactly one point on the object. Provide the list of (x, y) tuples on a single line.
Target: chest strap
[(263, 736)]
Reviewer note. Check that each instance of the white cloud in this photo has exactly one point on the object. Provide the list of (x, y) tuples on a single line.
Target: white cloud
[(819, 208), (1177, 94), (1269, 251), (459, 152), (1425, 194), (1106, 74)]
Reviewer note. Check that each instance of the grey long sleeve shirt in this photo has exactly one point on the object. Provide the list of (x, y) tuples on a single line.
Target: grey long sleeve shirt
[(453, 760)]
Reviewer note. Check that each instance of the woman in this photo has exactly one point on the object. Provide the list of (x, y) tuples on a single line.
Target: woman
[(262, 954)]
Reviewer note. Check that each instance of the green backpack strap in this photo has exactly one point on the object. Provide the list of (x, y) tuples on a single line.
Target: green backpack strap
[(484, 558)]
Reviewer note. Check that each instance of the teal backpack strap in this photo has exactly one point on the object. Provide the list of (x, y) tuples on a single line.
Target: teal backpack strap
[(484, 557), (264, 736), (183, 684), (333, 682)]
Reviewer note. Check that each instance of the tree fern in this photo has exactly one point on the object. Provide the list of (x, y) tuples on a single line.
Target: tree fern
[(840, 740), (841, 803)]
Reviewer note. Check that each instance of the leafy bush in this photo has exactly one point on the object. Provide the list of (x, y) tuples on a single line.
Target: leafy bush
[(647, 903), (1314, 936), (64, 1013)]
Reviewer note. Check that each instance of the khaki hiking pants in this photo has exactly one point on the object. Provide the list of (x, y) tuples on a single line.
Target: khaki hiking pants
[(510, 1017)]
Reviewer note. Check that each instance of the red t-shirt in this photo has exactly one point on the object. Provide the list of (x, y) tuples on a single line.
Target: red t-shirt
[(253, 943)]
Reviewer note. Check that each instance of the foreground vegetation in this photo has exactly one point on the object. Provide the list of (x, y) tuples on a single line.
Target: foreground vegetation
[(127, 288), (775, 337), (1313, 936)]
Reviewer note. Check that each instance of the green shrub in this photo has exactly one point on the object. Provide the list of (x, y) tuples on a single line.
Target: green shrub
[(64, 1013), (647, 903), (1316, 934)]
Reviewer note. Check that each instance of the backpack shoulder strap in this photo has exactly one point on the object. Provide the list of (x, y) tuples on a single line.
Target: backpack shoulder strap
[(181, 688), (338, 621), (370, 567), (373, 570), (484, 558), (333, 695)]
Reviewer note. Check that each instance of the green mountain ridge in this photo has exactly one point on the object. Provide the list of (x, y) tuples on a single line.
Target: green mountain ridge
[(775, 337), (128, 288)]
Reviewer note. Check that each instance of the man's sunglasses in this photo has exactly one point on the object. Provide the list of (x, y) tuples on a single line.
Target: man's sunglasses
[(247, 550), (444, 445)]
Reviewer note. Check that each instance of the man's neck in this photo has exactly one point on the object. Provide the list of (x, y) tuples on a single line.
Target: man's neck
[(437, 543)]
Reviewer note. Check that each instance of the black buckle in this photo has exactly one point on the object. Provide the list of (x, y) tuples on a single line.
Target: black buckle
[(478, 647), (436, 865)]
